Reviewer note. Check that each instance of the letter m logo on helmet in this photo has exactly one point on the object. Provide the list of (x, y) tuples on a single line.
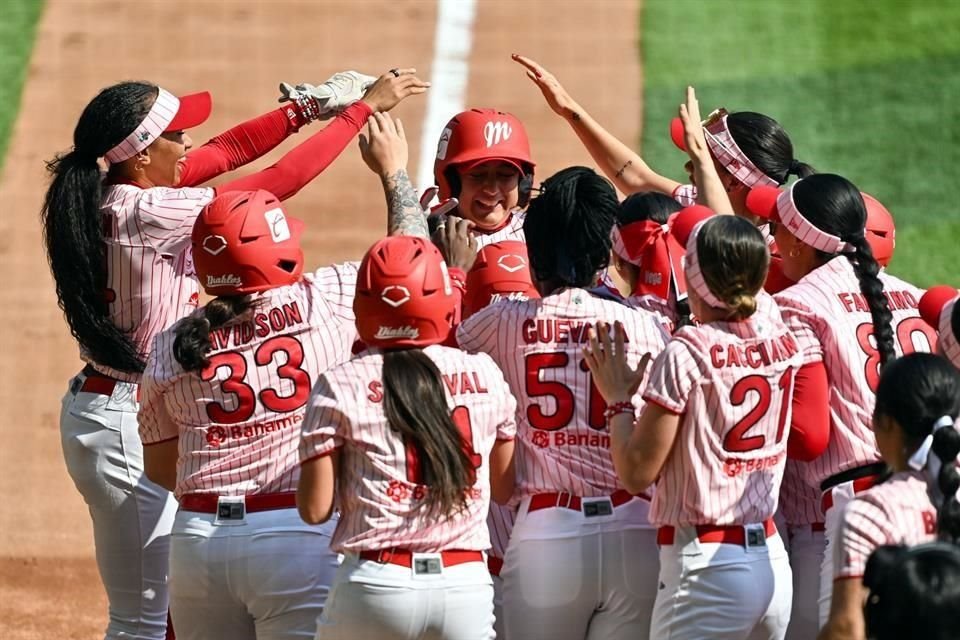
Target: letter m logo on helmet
[(479, 135), (404, 297)]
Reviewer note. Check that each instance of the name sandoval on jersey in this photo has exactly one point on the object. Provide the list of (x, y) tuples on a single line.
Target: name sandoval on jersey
[(262, 324), (459, 383)]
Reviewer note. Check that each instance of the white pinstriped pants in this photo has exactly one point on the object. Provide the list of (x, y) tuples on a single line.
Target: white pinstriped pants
[(132, 516)]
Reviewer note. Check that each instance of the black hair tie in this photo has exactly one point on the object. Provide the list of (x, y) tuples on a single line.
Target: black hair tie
[(795, 166)]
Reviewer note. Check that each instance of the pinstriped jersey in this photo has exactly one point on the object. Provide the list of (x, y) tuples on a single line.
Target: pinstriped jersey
[(732, 385), (832, 323), (239, 419), (151, 282), (512, 230), (799, 502), (897, 511), (947, 345), (379, 491), (500, 525), (563, 440)]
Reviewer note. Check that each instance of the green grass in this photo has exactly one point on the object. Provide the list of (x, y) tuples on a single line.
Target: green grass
[(17, 28), (868, 89)]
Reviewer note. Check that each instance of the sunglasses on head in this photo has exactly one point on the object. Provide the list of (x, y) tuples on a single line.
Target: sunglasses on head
[(715, 116)]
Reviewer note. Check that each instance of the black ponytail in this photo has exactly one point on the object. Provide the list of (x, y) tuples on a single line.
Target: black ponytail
[(767, 145), (946, 446), (416, 407), (833, 204), (73, 227), (568, 228), (192, 342)]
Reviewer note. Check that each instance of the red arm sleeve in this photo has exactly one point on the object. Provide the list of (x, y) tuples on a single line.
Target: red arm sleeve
[(810, 428), (236, 147), (304, 162)]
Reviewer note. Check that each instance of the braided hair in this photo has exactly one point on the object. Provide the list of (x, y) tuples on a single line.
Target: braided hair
[(192, 342), (833, 204), (73, 228), (567, 228)]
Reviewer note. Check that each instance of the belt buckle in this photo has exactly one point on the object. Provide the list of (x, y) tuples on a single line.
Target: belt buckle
[(427, 564), (755, 535), (231, 510), (596, 507)]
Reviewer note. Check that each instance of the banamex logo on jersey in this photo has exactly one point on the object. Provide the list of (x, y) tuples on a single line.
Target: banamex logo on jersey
[(496, 132)]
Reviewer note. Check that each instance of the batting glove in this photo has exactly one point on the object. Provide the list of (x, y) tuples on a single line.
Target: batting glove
[(328, 99)]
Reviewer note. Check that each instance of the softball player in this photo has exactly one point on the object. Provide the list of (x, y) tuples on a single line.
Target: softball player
[(913, 592), (223, 396), (501, 272), (714, 431), (849, 319), (645, 256), (918, 397), (567, 573), (416, 437), (749, 148), (118, 248), (939, 309), (799, 511)]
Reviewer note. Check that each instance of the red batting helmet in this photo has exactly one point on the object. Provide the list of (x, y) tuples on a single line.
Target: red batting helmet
[(404, 297), (501, 272), (880, 230), (480, 135), (244, 242)]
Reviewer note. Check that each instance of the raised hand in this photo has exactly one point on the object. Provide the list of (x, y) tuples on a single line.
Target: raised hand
[(693, 135), (615, 379), (392, 88), (384, 147), (553, 92)]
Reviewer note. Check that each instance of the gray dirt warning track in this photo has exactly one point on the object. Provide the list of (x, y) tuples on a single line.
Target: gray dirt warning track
[(239, 51)]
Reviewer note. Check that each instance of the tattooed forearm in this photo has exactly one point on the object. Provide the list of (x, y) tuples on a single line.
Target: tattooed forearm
[(405, 216), (624, 168)]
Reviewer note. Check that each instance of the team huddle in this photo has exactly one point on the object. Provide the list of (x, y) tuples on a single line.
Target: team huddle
[(532, 410)]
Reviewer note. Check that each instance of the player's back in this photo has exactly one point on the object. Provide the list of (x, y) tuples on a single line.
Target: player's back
[(240, 416), (732, 385), (832, 323), (380, 492), (564, 444)]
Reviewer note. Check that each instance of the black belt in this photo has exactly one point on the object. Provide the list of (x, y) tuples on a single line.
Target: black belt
[(874, 469)]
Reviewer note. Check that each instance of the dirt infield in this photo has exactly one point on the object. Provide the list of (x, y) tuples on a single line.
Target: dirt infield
[(239, 51)]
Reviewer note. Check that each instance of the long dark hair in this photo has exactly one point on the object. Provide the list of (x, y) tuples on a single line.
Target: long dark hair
[(916, 391), (416, 407), (73, 228), (766, 143), (568, 227), (733, 259), (833, 204), (914, 592), (192, 342)]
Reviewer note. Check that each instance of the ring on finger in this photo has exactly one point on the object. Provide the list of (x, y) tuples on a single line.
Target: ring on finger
[(395, 72)]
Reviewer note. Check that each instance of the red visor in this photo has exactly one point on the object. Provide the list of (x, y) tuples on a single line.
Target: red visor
[(194, 110), (762, 202)]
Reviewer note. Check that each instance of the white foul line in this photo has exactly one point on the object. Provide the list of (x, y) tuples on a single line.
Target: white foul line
[(448, 80)]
